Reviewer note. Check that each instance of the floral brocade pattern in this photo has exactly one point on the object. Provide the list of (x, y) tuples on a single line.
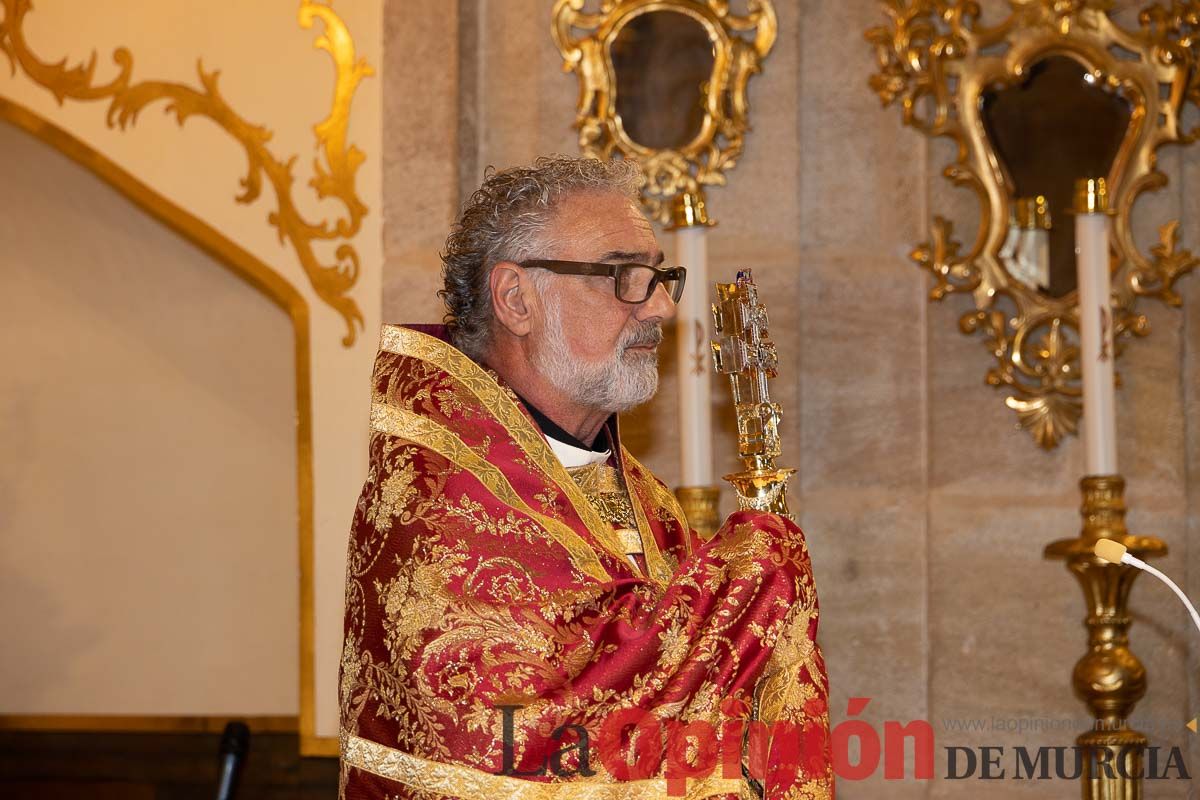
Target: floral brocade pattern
[(476, 580)]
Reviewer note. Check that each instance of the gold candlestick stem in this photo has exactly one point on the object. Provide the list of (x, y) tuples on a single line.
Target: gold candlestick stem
[(1109, 678), (699, 504)]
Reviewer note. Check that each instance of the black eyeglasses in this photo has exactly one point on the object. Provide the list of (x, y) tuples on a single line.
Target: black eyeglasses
[(633, 283)]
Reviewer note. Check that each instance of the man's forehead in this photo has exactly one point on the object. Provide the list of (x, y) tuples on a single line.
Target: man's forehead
[(606, 224)]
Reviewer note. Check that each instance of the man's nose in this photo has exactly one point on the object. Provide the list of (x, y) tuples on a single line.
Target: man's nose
[(658, 306)]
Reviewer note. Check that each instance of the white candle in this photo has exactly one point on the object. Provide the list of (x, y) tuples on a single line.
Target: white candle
[(1096, 340), (693, 323), (1041, 259), (1025, 259)]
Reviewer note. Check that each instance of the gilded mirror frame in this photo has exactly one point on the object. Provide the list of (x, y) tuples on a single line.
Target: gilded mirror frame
[(740, 42), (936, 60)]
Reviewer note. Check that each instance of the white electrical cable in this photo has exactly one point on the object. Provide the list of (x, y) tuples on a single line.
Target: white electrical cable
[(1117, 553)]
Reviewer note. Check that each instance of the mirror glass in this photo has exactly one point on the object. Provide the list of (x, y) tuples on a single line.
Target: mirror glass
[(661, 60), (1056, 126)]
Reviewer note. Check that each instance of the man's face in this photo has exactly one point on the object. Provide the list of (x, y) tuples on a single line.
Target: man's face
[(601, 352)]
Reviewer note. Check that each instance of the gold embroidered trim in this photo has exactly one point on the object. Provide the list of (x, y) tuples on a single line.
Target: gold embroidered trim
[(655, 562), (597, 478), (453, 780), (408, 342), (420, 430), (632, 541), (603, 488)]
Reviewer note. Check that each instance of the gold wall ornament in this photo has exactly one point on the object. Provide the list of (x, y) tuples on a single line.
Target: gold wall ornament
[(954, 77), (332, 179), (745, 353), (688, 146)]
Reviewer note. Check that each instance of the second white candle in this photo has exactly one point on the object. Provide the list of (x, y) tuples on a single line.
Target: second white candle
[(1096, 343)]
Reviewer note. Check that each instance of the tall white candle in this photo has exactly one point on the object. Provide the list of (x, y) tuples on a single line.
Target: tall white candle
[(1096, 339), (694, 325)]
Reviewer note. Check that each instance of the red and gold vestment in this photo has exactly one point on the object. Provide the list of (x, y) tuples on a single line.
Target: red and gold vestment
[(481, 578)]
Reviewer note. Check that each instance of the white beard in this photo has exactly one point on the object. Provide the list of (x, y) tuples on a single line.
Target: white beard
[(626, 379)]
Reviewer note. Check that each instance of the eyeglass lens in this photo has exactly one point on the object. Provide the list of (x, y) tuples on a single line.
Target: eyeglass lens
[(635, 284)]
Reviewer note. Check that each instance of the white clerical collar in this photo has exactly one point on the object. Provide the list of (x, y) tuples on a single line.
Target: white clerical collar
[(572, 456)]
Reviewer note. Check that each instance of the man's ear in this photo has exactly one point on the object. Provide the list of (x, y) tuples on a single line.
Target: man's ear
[(513, 298)]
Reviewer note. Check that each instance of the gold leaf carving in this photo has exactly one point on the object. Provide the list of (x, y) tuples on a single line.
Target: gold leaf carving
[(1170, 264), (1048, 418), (940, 256), (333, 178), (740, 43), (934, 60)]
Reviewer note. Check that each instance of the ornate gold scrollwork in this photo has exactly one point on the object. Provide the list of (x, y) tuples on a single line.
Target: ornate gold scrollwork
[(936, 61), (739, 43), (333, 179)]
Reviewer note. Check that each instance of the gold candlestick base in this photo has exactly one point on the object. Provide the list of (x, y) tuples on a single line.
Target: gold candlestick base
[(1109, 678), (699, 504)]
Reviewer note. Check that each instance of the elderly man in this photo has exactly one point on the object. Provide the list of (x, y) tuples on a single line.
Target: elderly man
[(527, 613)]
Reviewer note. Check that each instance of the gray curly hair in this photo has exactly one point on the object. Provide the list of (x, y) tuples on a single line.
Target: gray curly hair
[(505, 220)]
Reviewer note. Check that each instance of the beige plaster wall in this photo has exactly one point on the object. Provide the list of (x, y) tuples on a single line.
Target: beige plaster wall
[(148, 558), (272, 74), (926, 510)]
